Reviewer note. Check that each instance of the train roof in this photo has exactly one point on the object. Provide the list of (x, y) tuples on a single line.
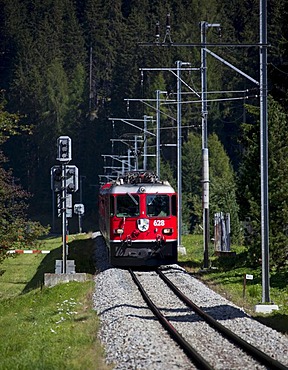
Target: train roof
[(137, 182), (164, 188)]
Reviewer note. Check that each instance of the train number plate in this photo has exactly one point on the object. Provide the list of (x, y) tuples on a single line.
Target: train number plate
[(158, 223)]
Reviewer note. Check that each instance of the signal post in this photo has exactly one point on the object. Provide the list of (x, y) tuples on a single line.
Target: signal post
[(64, 182)]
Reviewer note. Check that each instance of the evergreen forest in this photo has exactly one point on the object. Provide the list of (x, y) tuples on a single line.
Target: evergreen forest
[(69, 67)]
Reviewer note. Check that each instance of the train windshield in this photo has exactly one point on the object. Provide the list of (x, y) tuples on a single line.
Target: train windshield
[(157, 205), (127, 205)]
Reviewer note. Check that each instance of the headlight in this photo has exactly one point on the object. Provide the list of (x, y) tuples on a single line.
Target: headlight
[(118, 231), (167, 231)]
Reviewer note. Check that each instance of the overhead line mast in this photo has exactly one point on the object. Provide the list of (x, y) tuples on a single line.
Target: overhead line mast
[(262, 45)]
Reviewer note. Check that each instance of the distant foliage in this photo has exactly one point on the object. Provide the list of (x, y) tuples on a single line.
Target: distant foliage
[(15, 230), (67, 66), (222, 184), (249, 186)]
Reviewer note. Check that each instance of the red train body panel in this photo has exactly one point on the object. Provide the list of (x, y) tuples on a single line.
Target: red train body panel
[(138, 219)]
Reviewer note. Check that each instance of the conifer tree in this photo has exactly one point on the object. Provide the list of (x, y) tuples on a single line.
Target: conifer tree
[(16, 231), (222, 183), (249, 185)]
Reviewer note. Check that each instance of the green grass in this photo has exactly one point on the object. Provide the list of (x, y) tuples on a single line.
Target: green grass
[(56, 328), (48, 328), (226, 276)]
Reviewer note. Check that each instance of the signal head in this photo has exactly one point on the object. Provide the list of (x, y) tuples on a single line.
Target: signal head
[(64, 150)]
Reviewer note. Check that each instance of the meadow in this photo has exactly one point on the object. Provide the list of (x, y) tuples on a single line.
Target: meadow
[(56, 327), (49, 327)]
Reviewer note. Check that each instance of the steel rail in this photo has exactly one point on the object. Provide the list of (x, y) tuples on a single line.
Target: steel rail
[(193, 355), (249, 348)]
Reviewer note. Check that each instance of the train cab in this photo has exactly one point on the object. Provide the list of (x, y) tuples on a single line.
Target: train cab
[(138, 219)]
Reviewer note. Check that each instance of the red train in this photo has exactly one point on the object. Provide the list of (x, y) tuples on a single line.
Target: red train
[(138, 219)]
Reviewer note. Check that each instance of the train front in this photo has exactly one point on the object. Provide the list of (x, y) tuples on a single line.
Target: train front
[(143, 224)]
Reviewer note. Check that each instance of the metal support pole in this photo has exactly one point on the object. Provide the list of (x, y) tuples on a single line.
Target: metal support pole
[(205, 153), (81, 201), (179, 147), (158, 133), (145, 144), (53, 211), (79, 224), (204, 84), (205, 184), (264, 153), (129, 159), (64, 219), (90, 79), (136, 153)]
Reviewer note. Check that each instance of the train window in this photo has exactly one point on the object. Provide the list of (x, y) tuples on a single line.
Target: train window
[(112, 208), (127, 205), (157, 205)]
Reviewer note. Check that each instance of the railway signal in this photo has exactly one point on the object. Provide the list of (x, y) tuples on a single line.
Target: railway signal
[(72, 179), (79, 210), (64, 149), (56, 179), (64, 182)]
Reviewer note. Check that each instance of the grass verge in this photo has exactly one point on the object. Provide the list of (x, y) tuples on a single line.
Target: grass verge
[(48, 328), (226, 276)]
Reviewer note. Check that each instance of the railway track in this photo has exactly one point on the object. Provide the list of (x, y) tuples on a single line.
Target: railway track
[(187, 346)]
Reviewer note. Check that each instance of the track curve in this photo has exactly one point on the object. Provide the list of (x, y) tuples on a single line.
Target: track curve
[(191, 352), (187, 348), (250, 349)]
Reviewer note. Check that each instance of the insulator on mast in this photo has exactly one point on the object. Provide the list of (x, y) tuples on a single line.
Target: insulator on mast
[(220, 32), (168, 29), (157, 33), (168, 21)]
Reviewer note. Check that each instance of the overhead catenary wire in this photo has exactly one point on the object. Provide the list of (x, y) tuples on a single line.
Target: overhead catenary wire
[(216, 92), (278, 69), (174, 127), (167, 102), (184, 83), (215, 100)]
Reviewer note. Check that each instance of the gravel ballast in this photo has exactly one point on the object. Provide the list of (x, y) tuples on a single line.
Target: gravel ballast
[(133, 338)]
